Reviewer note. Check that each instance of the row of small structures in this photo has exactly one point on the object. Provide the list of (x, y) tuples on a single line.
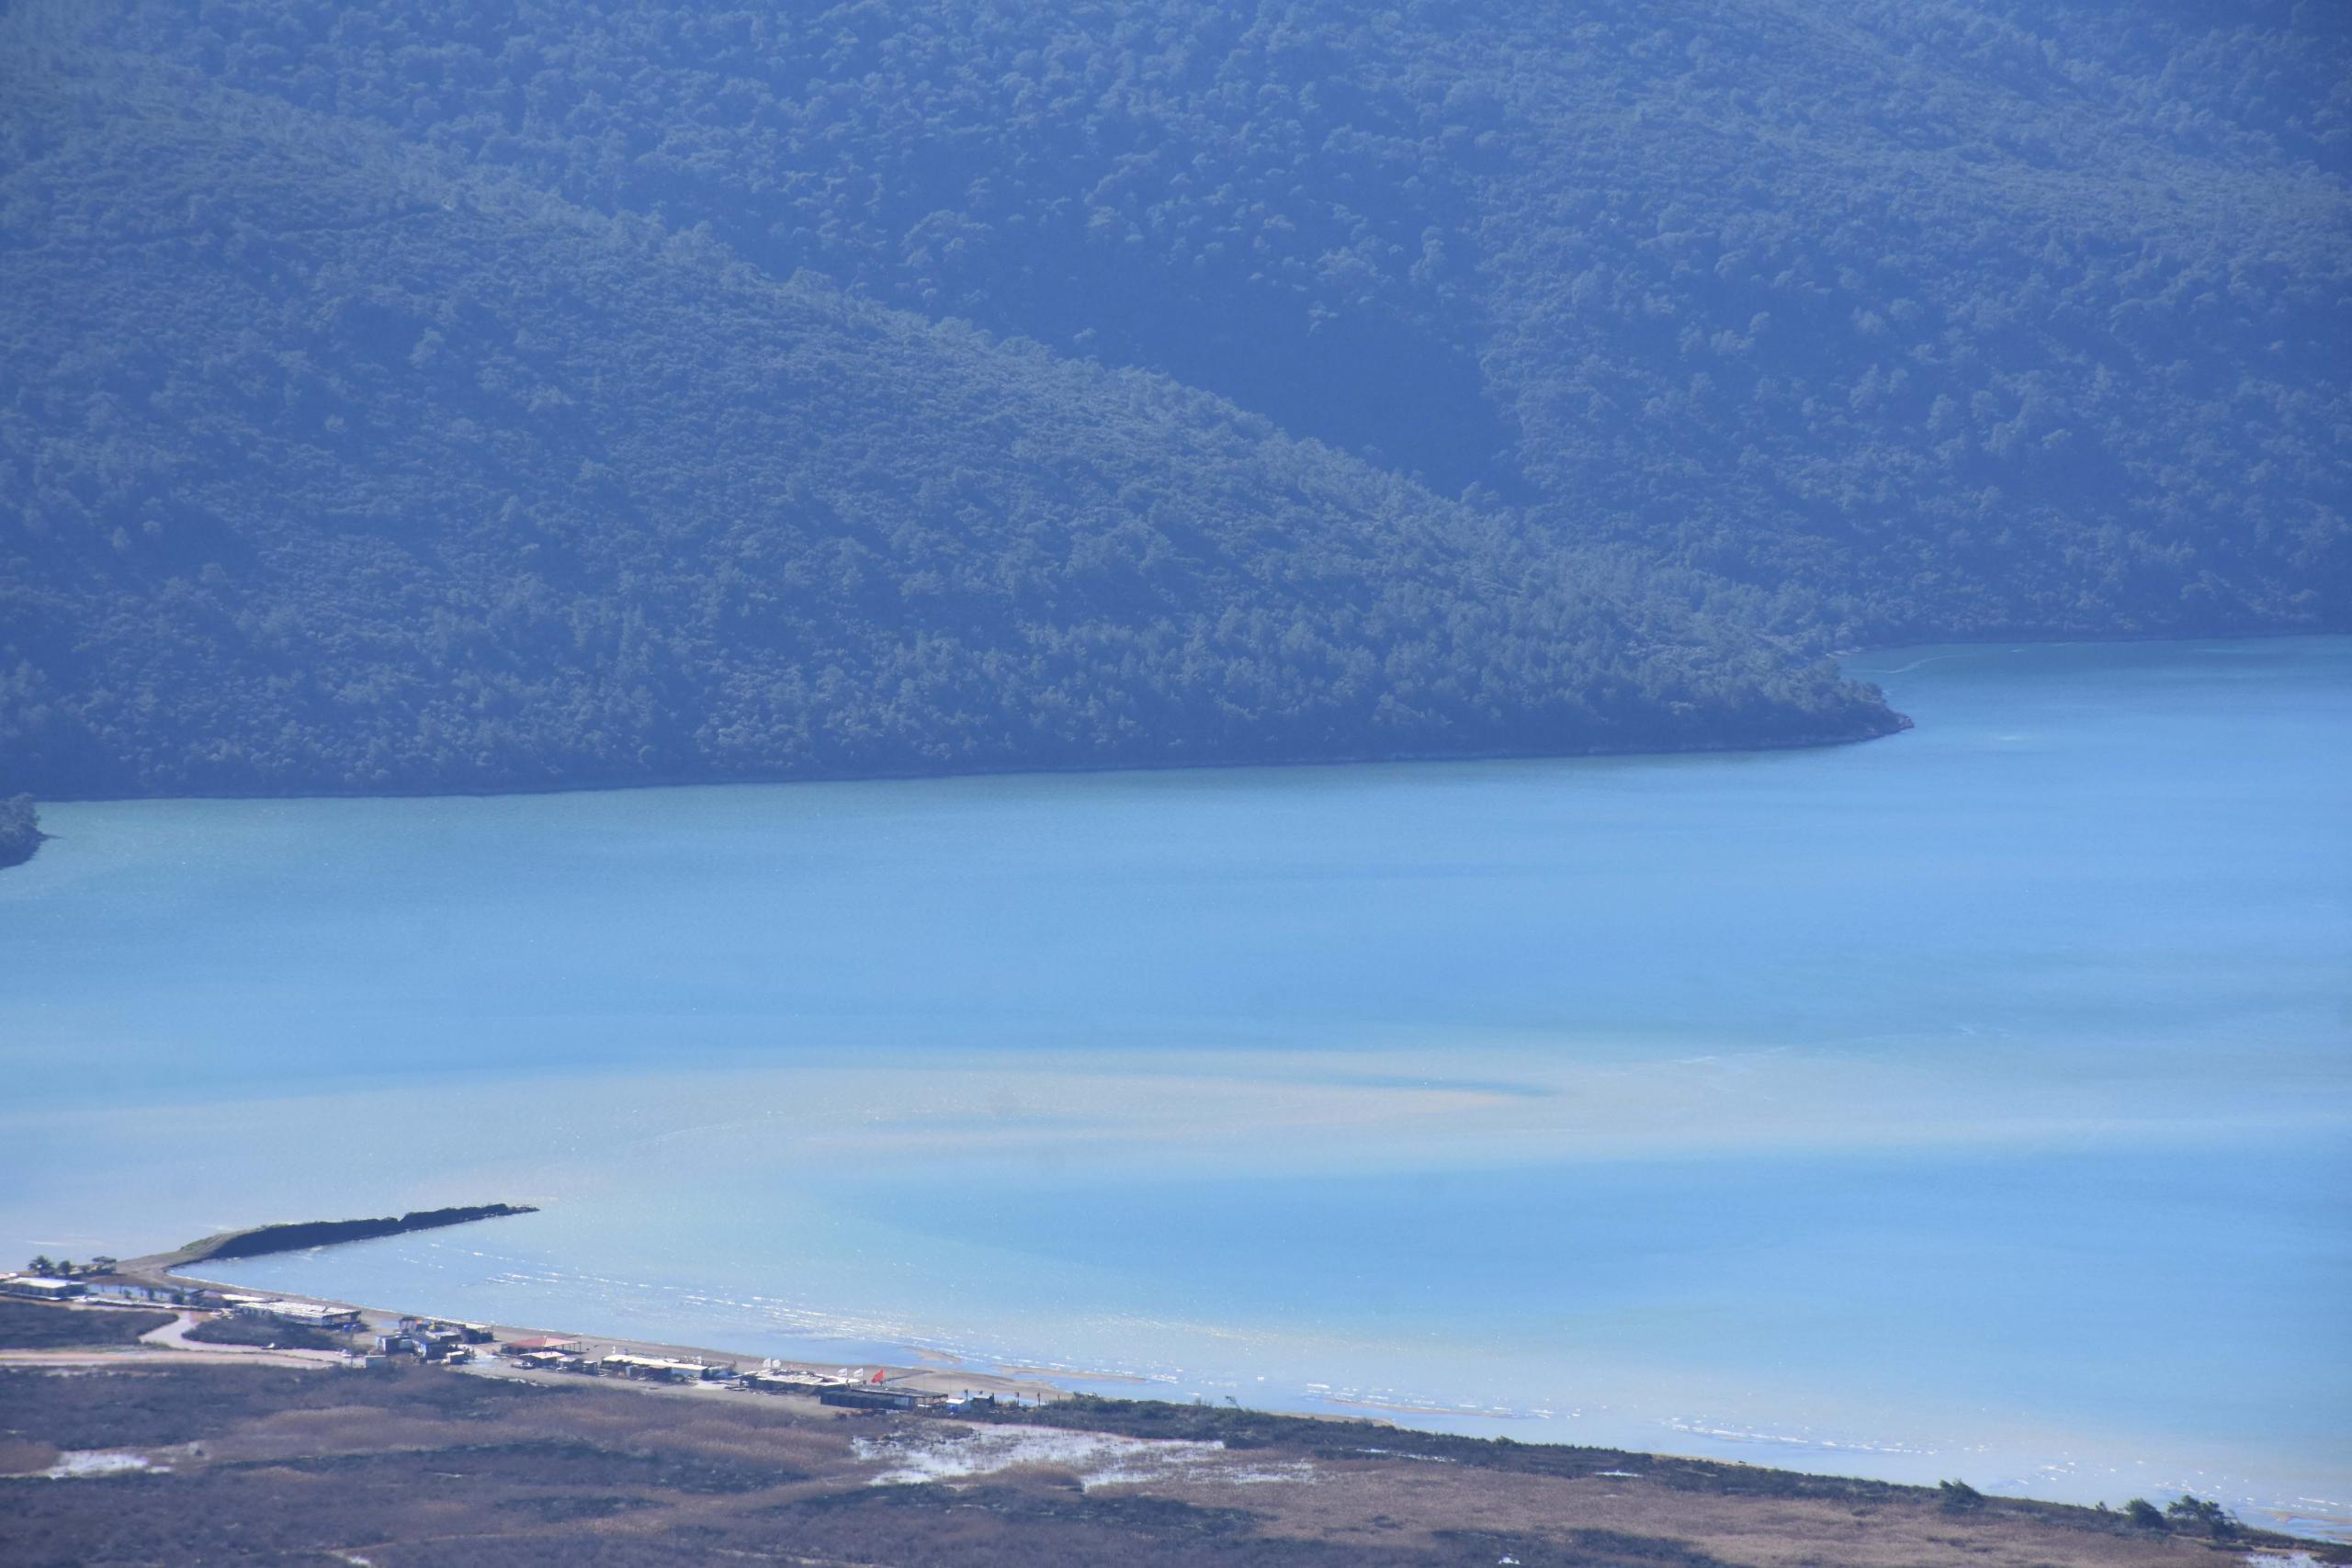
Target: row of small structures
[(97, 1281), (857, 1390), (454, 1343)]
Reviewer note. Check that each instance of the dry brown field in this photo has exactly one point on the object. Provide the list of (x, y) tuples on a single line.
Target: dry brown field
[(150, 1463)]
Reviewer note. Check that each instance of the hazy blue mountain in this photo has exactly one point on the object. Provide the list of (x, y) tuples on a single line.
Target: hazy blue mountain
[(1973, 318), (475, 394)]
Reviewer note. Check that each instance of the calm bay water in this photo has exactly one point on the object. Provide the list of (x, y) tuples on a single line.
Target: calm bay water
[(1976, 1101)]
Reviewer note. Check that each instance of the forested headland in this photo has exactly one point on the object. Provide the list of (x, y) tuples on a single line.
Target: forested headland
[(20, 832), (516, 396)]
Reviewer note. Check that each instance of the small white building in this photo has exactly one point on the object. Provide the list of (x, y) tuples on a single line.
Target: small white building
[(535, 1342), (42, 1288), (304, 1314), (660, 1369), (314, 1314)]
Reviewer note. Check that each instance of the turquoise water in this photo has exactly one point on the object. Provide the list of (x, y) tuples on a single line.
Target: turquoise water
[(1976, 1101)]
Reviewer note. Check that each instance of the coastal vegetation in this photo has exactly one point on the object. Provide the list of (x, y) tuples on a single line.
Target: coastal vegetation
[(1959, 1496), (265, 1335), (267, 1462), (300, 1236), (35, 1326), (1255, 1429), (2192, 1512), (453, 397)]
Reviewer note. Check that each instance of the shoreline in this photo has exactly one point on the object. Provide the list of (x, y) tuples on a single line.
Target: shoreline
[(938, 1380), (947, 1389), (1159, 1453), (165, 1270), (1902, 724), (1810, 742), (932, 1373)]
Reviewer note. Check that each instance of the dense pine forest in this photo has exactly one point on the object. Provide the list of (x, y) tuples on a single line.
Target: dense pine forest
[(430, 396)]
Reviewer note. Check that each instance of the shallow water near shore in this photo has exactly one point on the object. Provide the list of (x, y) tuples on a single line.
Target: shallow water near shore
[(1972, 1102)]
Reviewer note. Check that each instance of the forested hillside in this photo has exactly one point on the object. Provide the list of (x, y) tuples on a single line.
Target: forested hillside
[(1973, 318), (340, 470), (432, 395)]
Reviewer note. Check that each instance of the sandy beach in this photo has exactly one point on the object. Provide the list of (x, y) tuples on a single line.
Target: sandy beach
[(163, 1271)]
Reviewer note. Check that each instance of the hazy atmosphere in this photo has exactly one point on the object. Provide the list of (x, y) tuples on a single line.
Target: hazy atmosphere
[(1278, 737)]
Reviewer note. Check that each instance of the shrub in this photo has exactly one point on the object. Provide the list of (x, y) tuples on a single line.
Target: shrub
[(1959, 1496), (2190, 1509)]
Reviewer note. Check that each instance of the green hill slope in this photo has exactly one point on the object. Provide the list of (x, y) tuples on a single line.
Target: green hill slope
[(438, 395), (1961, 317), (333, 468)]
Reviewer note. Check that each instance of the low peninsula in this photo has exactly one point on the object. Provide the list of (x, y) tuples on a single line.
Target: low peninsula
[(260, 1241)]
